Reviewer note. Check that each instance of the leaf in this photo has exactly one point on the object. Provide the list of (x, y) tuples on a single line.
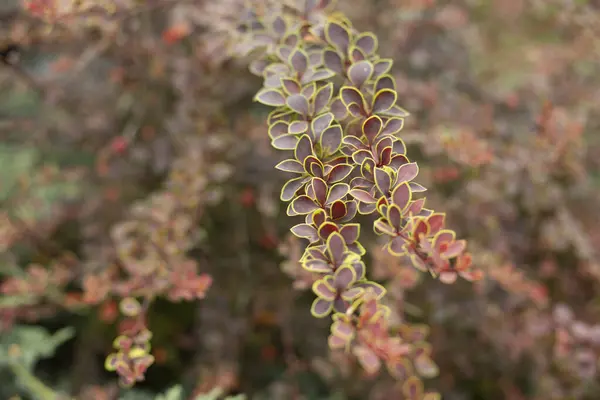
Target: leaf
[(407, 172), (384, 100), (338, 36), (401, 196), (298, 127), (367, 42), (322, 98), (360, 72), (331, 139), (303, 205), (270, 97), (305, 231), (371, 128), (333, 61), (339, 172), (324, 290), (349, 95), (279, 128), (338, 210), (344, 277), (290, 166), (291, 86), (382, 66), (383, 180), (317, 266), (304, 148), (385, 82), (350, 232), (362, 196), (291, 187), (337, 192), (299, 60), (320, 190), (326, 229), (320, 123), (298, 103), (285, 142), (321, 308), (336, 247)]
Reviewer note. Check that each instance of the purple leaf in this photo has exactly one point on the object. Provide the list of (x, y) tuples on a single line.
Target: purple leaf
[(338, 108), (321, 74), (336, 247), (350, 232), (333, 61), (322, 98), (338, 36), (372, 127), (344, 277), (360, 156), (367, 42), (337, 192), (285, 142), (351, 95), (407, 172), (326, 229), (393, 126), (299, 60), (298, 127), (303, 205), (394, 217), (291, 86), (356, 55), (317, 266), (380, 226), (338, 210), (320, 123), (396, 246), (397, 111), (324, 289), (339, 172), (279, 128), (385, 82), (401, 195), (305, 231), (363, 196), (319, 187), (321, 308), (353, 142), (417, 187), (382, 66), (360, 72), (377, 289), (383, 100), (383, 180), (331, 139), (303, 149), (270, 97), (298, 103), (290, 166)]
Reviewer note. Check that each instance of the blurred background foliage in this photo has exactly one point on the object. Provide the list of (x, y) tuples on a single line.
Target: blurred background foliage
[(106, 117)]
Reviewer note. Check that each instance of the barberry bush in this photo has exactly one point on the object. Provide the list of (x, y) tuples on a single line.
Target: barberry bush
[(204, 199)]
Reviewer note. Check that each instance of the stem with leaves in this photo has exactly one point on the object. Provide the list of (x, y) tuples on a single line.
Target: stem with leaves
[(335, 109)]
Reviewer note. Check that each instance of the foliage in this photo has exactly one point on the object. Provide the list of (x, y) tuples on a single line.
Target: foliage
[(142, 163)]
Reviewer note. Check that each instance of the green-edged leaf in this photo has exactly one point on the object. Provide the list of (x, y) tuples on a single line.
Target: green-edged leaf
[(291, 187), (270, 97), (384, 100), (336, 247), (367, 42), (322, 98), (407, 172), (290, 166), (350, 232), (303, 205), (363, 196), (303, 149), (331, 139), (344, 277), (338, 36), (383, 180), (324, 289), (305, 231), (360, 72), (321, 308), (299, 60), (285, 142), (298, 103), (401, 196), (371, 128)]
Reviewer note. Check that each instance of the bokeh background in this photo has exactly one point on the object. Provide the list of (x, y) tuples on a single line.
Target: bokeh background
[(124, 131)]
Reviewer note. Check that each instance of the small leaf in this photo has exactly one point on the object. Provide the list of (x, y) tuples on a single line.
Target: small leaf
[(291, 86), (303, 205), (321, 308), (407, 172), (350, 95), (270, 97), (333, 61), (344, 277), (382, 66), (362, 196), (331, 139), (383, 180), (290, 166), (339, 172), (322, 98), (367, 42), (336, 246), (303, 149), (385, 82), (338, 36), (324, 290), (393, 126), (360, 72), (350, 232), (285, 142), (298, 103), (291, 187), (371, 128), (326, 229), (337, 192), (384, 100), (401, 195), (299, 60), (305, 231), (338, 210), (278, 129), (298, 127), (320, 123), (317, 266)]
